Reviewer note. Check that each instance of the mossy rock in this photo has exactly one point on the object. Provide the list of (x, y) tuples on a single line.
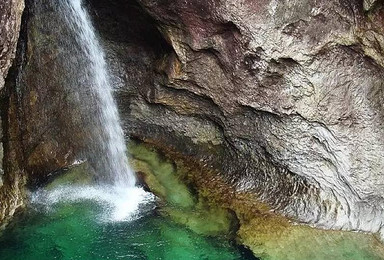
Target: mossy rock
[(182, 204), (78, 174)]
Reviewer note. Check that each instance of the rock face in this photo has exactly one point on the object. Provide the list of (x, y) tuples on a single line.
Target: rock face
[(10, 20), (11, 184), (284, 97), (55, 108), (37, 114)]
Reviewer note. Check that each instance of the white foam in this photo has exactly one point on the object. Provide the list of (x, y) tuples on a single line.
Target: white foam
[(118, 203)]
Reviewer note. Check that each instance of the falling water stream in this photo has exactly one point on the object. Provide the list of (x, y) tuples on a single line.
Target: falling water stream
[(110, 137), (106, 149)]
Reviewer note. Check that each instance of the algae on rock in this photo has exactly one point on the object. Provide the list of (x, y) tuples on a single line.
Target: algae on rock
[(168, 181)]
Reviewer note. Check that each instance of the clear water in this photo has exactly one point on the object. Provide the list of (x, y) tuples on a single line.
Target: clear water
[(76, 230)]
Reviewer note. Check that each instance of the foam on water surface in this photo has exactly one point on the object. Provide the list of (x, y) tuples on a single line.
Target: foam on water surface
[(118, 203)]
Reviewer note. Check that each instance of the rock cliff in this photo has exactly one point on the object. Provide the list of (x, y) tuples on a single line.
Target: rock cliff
[(285, 98), (12, 182)]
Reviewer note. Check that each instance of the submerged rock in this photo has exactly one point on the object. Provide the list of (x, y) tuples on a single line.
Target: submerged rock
[(219, 209), (169, 181)]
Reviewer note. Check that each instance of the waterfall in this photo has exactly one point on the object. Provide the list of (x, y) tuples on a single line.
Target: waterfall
[(66, 33), (108, 145)]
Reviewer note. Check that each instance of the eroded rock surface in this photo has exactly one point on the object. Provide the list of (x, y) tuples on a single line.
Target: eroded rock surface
[(11, 184), (10, 20), (284, 97)]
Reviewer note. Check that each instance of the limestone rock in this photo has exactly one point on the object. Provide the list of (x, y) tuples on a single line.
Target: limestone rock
[(368, 4), (10, 20), (290, 92), (11, 195)]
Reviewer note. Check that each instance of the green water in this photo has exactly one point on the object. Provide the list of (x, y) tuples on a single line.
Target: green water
[(74, 231), (74, 220)]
